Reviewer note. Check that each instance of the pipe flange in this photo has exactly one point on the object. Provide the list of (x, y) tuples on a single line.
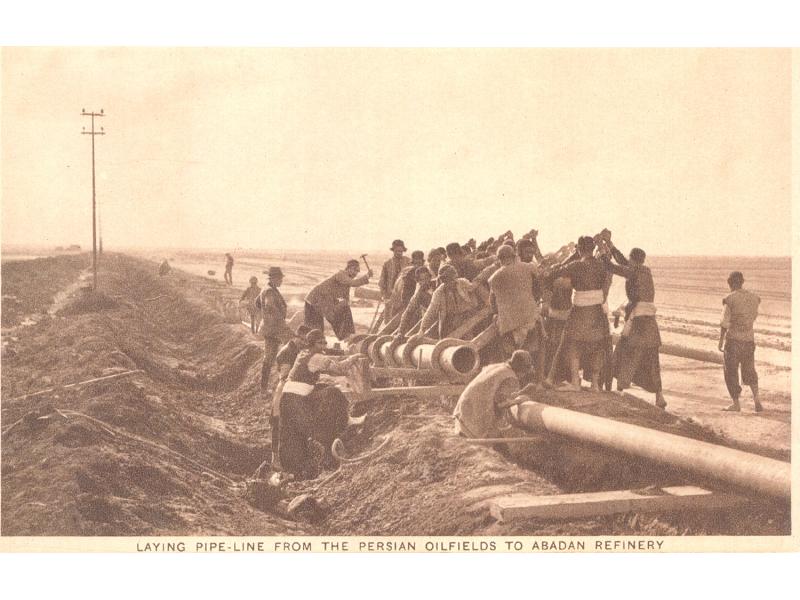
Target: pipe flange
[(396, 341), (441, 345), (375, 351), (363, 345)]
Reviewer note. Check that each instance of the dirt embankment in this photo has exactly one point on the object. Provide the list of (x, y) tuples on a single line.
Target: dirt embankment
[(30, 285), (165, 451)]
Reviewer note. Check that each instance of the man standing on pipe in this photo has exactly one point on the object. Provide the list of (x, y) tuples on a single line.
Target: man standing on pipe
[(737, 342)]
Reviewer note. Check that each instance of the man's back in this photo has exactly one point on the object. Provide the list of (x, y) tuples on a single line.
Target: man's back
[(741, 310), (475, 412)]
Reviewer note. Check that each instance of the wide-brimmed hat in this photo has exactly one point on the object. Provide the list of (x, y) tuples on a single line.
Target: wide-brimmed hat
[(396, 244), (275, 272), (418, 255)]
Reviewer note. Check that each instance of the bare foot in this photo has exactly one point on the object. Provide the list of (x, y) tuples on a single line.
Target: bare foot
[(733, 408)]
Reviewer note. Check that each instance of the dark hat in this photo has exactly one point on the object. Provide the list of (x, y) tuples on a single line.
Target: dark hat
[(275, 272), (302, 331), (353, 263), (254, 279), (418, 255), (397, 243), (314, 336), (420, 271)]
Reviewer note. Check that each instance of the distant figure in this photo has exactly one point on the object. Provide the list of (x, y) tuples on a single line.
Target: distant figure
[(737, 342), (249, 298), (228, 269), (164, 268), (273, 322), (330, 300)]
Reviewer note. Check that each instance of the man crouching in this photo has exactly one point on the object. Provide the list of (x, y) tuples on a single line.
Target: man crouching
[(312, 415), (480, 412)]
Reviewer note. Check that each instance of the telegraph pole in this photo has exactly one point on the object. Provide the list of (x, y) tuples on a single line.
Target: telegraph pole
[(94, 197)]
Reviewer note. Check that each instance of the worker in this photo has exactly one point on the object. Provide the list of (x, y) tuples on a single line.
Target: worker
[(481, 408), (312, 415), (284, 361), (586, 330), (391, 271), (404, 285), (248, 300), (228, 268), (164, 268), (451, 303), (737, 341), (330, 300), (464, 266), (435, 258), (419, 301), (273, 322), (518, 316), (635, 358)]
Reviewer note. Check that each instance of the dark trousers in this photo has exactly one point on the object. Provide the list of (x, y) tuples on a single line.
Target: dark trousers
[(321, 416), (739, 355), (341, 320), (635, 363), (271, 346)]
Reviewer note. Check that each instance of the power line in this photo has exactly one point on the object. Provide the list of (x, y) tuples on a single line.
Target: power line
[(93, 133)]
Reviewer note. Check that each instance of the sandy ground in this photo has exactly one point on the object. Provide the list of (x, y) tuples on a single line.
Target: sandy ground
[(165, 451)]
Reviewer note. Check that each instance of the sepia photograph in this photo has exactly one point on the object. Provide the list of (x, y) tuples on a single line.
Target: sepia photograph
[(396, 299)]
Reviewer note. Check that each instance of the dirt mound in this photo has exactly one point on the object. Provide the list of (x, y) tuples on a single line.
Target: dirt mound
[(139, 454), (28, 286), (88, 302)]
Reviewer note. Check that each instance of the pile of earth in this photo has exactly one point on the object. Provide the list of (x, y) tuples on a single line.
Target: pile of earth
[(165, 450), (29, 285)]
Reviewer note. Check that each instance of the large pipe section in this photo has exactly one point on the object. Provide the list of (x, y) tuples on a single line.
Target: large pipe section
[(452, 357), (742, 469)]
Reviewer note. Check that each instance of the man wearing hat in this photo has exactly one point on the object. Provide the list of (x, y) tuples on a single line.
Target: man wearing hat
[(391, 271), (273, 322), (330, 300)]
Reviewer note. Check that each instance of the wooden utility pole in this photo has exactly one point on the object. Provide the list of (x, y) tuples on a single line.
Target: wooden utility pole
[(94, 195)]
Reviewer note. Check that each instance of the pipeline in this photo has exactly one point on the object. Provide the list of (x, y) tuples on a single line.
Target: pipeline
[(741, 469)]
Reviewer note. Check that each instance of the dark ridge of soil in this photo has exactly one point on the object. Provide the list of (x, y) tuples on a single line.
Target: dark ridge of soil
[(28, 286), (198, 395)]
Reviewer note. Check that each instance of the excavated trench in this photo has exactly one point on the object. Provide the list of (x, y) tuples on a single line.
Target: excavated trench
[(165, 451)]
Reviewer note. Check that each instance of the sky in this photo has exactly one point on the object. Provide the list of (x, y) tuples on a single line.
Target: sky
[(676, 151)]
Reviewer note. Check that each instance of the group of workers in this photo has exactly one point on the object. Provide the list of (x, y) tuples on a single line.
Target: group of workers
[(550, 312)]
